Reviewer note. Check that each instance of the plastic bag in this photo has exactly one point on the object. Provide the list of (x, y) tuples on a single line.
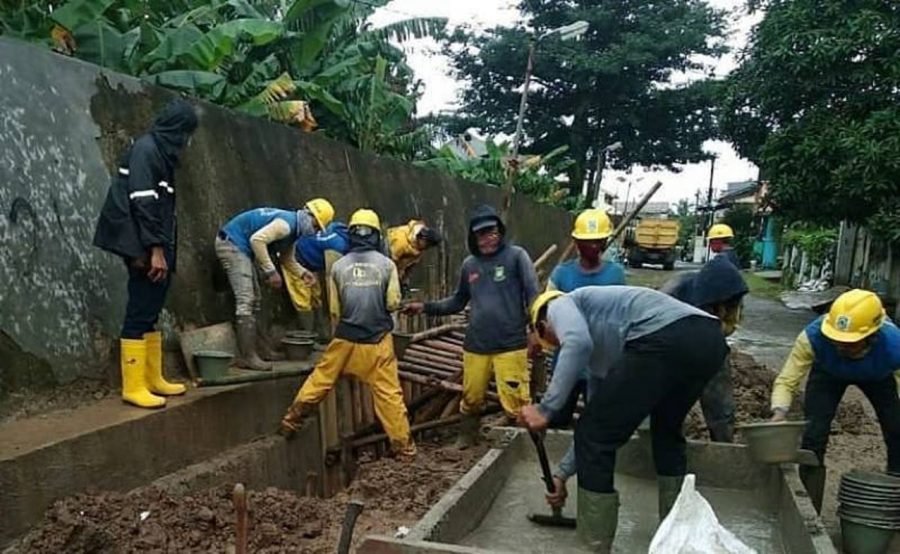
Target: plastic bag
[(693, 528)]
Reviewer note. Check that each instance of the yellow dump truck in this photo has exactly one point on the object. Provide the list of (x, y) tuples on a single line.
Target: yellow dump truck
[(653, 242)]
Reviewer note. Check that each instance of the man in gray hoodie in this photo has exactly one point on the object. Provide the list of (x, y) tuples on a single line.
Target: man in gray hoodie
[(499, 282)]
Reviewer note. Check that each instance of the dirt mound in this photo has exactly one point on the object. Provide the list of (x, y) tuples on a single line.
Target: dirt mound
[(153, 521), (752, 396)]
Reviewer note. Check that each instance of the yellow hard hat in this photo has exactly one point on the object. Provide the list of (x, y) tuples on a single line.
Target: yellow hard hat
[(322, 210), (720, 231), (855, 315), (539, 302), (367, 218), (592, 225)]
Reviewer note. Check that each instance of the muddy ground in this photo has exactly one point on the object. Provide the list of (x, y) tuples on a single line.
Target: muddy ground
[(24, 404), (150, 520)]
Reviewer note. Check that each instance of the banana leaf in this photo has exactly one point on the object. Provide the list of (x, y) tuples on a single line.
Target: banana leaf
[(76, 13)]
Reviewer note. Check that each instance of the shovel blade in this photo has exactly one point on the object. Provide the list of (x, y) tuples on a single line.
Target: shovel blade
[(552, 520)]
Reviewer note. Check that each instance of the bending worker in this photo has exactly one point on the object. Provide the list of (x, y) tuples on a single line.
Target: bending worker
[(313, 254), (248, 237), (720, 237), (634, 339), (591, 234), (137, 223), (718, 288), (853, 344), (363, 290), (408, 243), (499, 281)]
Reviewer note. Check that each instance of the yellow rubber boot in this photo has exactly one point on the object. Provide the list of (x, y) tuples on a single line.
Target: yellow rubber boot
[(134, 379), (156, 382)]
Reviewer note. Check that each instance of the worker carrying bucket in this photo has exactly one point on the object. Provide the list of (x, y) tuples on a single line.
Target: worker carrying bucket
[(633, 339), (499, 282), (246, 239), (363, 290), (853, 344)]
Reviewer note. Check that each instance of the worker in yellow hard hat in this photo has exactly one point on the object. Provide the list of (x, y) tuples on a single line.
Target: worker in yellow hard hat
[(853, 344), (363, 290), (720, 238), (591, 234), (633, 340), (408, 243), (247, 238)]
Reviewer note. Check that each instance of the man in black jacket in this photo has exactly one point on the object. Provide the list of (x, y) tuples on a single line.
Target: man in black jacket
[(137, 223)]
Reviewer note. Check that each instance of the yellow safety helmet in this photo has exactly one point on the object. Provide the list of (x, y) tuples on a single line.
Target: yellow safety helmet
[(539, 302), (855, 315), (365, 217), (592, 224), (720, 231), (322, 210)]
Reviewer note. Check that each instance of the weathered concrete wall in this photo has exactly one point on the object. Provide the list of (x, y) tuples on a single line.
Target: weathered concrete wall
[(62, 125)]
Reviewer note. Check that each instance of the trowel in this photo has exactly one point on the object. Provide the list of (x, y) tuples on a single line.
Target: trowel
[(556, 519)]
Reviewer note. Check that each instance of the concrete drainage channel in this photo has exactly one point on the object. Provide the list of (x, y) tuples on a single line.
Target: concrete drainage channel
[(207, 438), (766, 506)]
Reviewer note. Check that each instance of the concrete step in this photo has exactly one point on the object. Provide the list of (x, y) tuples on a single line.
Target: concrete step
[(112, 446)]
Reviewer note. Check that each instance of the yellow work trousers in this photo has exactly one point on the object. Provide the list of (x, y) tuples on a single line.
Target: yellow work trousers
[(305, 298), (373, 364), (513, 381)]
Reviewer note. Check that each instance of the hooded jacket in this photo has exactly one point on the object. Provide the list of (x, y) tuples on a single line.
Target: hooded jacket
[(499, 288), (717, 282), (139, 211), (309, 251)]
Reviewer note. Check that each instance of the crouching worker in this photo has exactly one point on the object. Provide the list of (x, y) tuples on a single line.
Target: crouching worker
[(719, 289), (246, 238), (408, 243), (853, 344), (654, 355), (313, 254), (363, 290), (137, 223)]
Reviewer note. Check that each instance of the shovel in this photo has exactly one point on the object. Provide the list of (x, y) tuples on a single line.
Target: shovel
[(556, 519)]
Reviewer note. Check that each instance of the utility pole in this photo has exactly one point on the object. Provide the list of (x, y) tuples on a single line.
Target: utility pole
[(709, 205)]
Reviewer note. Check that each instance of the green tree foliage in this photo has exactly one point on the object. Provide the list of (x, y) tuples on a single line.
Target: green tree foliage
[(535, 178), (687, 223), (816, 104), (818, 242), (614, 84), (256, 56)]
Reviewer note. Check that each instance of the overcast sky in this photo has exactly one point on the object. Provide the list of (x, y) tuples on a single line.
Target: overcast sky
[(441, 90)]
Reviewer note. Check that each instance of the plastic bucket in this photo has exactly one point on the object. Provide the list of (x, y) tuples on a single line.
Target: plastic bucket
[(773, 442), (859, 538), (298, 350), (212, 364), (301, 334)]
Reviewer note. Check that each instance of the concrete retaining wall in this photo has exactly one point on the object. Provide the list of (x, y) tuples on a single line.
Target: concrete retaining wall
[(62, 125)]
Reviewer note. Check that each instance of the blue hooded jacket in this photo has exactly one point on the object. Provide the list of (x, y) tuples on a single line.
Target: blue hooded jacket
[(310, 250)]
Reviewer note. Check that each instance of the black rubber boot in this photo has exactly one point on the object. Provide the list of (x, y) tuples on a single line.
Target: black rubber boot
[(668, 488)]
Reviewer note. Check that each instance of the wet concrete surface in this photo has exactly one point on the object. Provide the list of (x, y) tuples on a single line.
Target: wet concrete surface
[(506, 527)]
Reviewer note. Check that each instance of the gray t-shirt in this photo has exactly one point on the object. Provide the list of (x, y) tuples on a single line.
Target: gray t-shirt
[(594, 323), (363, 280)]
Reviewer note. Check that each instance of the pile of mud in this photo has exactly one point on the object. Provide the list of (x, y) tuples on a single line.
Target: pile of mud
[(153, 521), (752, 397)]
